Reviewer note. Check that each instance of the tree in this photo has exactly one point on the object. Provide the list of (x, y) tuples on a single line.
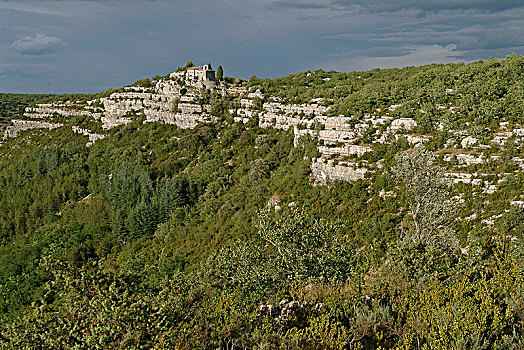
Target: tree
[(143, 82), (220, 73), (174, 105), (259, 170), (290, 248), (426, 190), (189, 64), (219, 105)]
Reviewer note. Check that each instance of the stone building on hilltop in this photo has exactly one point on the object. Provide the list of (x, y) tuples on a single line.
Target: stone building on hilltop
[(202, 76), (204, 73)]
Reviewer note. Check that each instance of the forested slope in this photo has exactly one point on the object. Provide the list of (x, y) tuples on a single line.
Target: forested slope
[(218, 237)]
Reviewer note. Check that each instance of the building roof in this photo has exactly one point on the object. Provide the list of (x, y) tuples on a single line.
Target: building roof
[(198, 68)]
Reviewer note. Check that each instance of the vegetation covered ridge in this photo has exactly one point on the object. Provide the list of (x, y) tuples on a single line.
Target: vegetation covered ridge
[(217, 218)]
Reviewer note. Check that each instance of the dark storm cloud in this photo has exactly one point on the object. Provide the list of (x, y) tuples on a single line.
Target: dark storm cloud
[(461, 29), (297, 5), (115, 42), (380, 51), (475, 37), (380, 6)]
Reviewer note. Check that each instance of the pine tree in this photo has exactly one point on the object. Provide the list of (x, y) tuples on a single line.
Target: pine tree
[(120, 231)]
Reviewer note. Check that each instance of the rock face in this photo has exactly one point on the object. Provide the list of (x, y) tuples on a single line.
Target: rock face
[(49, 110), (403, 123), (340, 136), (325, 170), (18, 126), (92, 136), (161, 104), (346, 150), (468, 142), (176, 100), (282, 311), (343, 140)]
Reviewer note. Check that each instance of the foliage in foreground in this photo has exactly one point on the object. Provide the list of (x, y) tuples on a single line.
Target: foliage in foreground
[(418, 298)]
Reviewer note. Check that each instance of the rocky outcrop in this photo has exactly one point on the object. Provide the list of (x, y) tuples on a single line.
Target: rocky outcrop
[(281, 312), (325, 170), (92, 136), (50, 110), (466, 178), (346, 150), (163, 103), (468, 142), (178, 100), (112, 121), (403, 123), (18, 126)]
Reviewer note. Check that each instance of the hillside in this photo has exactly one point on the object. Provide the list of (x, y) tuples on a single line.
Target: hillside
[(319, 210)]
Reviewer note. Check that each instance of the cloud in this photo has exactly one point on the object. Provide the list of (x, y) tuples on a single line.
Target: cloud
[(268, 38), (402, 57), (40, 44), (378, 6), (475, 37), (301, 5), (378, 51), (420, 56), (485, 34)]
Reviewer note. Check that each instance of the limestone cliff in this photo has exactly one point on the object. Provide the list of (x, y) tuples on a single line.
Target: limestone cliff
[(342, 139)]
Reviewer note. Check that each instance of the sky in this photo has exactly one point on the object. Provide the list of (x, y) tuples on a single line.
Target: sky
[(61, 46)]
